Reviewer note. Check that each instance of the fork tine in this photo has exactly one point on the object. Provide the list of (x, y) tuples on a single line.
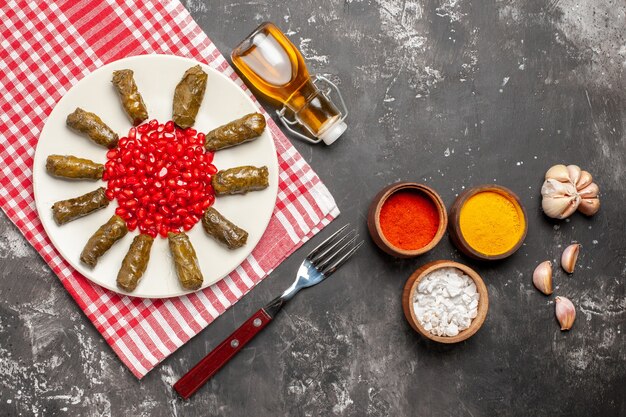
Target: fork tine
[(327, 260), (323, 255), (331, 269), (322, 245)]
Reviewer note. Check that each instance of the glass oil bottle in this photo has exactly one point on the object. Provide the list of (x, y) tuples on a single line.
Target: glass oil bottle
[(275, 67)]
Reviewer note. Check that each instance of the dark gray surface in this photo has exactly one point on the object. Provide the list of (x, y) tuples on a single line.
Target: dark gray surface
[(452, 93)]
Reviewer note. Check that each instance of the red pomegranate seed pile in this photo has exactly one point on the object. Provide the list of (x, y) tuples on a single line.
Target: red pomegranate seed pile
[(161, 178)]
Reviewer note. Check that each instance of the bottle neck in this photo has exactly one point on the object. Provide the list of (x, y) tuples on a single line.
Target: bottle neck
[(312, 109)]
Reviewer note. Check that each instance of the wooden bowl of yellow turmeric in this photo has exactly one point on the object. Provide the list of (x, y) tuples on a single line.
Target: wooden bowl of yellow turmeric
[(488, 222)]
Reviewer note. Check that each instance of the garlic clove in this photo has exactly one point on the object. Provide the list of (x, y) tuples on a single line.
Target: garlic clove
[(559, 207), (542, 277), (559, 173), (574, 172), (565, 312), (569, 257), (589, 206), (584, 180), (560, 199), (553, 188), (590, 191)]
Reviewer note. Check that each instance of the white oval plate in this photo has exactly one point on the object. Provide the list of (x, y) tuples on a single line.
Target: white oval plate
[(156, 77)]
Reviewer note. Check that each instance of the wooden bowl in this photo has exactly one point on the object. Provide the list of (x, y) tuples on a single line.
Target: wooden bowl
[(373, 219), (454, 227), (409, 294)]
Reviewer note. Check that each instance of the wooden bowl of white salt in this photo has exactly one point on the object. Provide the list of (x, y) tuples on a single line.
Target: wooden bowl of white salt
[(445, 301)]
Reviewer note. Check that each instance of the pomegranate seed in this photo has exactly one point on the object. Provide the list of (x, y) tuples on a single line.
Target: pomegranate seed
[(211, 169), (153, 124), (143, 128), (131, 224)]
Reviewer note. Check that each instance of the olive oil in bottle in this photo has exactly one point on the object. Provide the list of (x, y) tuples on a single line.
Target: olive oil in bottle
[(274, 66)]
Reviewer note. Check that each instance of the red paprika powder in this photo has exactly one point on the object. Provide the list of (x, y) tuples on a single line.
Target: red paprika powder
[(409, 220)]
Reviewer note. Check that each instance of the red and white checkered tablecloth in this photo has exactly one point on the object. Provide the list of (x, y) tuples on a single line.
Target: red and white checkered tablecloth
[(46, 47)]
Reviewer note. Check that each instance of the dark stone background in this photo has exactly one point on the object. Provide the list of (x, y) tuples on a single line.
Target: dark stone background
[(451, 93)]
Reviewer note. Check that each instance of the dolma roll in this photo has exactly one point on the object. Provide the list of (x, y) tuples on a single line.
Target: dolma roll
[(185, 261), (222, 230), (103, 239), (188, 97), (236, 132), (67, 210), (135, 262), (68, 166), (91, 125), (131, 99), (240, 180)]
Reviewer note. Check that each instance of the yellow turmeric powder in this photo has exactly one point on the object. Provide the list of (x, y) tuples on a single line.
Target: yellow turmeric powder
[(491, 223)]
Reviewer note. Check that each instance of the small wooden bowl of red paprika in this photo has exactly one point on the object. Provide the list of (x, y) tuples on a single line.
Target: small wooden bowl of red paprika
[(407, 219)]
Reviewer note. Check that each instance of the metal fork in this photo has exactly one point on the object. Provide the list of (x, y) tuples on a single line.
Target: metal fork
[(318, 265)]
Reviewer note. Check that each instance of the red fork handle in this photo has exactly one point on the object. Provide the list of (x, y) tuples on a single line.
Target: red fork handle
[(211, 363)]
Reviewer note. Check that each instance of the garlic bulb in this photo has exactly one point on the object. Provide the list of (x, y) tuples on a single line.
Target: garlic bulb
[(565, 312), (567, 189)]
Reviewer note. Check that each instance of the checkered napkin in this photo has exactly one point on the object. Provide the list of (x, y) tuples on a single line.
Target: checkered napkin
[(46, 47)]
